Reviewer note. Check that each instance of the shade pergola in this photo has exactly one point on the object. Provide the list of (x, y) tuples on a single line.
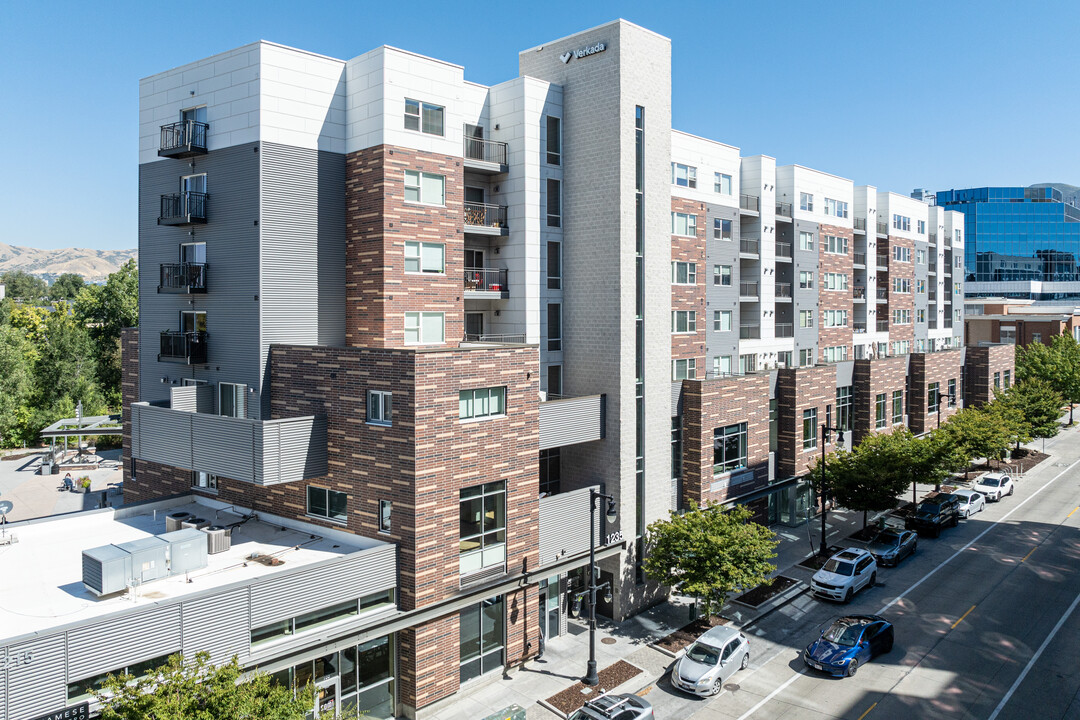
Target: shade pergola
[(77, 427)]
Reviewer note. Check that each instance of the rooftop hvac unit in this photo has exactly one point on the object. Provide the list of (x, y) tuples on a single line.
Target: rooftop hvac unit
[(218, 539), (187, 550), (147, 558), (172, 521), (106, 569), (195, 522)]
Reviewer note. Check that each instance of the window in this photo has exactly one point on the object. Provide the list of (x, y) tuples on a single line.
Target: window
[(843, 407), (722, 183), (806, 241), (920, 227), (835, 354), (423, 117), (316, 618), (834, 245), (554, 140), (920, 286), (900, 222), (721, 365), (683, 273), (204, 481), (329, 504), (684, 369), (1006, 378), (683, 224), (952, 392), (806, 318), (901, 347), (920, 257), (482, 628), (554, 265), (1008, 335), (482, 518), (84, 689), (901, 317), (897, 407), (806, 202), (880, 408), (837, 208), (809, 429), (834, 318), (729, 448), (932, 397), (232, 400), (721, 320), (423, 327), (683, 321), (834, 281), (554, 379), (747, 364), (426, 188), (783, 359), (554, 203), (386, 509), (957, 288), (683, 175), (920, 316), (424, 257), (554, 326), (721, 229), (722, 275), (481, 402), (806, 279), (806, 357), (901, 254), (550, 471), (956, 235), (997, 381), (901, 285)]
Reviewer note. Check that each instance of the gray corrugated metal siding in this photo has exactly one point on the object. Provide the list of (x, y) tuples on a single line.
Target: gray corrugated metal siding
[(571, 420), (28, 692), (218, 625), (106, 646), (564, 524)]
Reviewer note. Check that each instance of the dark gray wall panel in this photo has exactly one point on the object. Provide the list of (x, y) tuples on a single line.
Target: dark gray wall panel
[(564, 524), (331, 249), (110, 645), (571, 421), (806, 338), (293, 449), (218, 625), (36, 687), (164, 435), (224, 446), (721, 297)]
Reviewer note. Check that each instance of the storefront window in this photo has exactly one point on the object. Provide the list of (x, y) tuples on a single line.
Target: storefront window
[(482, 632)]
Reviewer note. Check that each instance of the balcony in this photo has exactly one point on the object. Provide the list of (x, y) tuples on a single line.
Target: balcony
[(182, 278), (749, 332), (749, 203), (188, 348), (183, 139), (860, 224), (883, 294), (783, 210), (495, 338), (931, 324), (883, 326), (262, 452), (748, 290), (572, 420), (859, 259), (858, 327), (485, 156), (183, 208), (883, 228), (932, 296), (564, 525), (750, 246), (947, 324), (783, 251), (933, 238), (882, 260), (485, 219), (783, 291), (785, 330), (486, 283)]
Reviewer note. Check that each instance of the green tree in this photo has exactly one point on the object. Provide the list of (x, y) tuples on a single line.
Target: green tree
[(933, 458), (200, 691), (871, 476), (975, 432), (1013, 418), (23, 285), (1039, 403), (106, 310), (1057, 363), (709, 552), (66, 287), (16, 386)]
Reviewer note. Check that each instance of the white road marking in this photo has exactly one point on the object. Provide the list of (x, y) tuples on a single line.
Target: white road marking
[(770, 696)]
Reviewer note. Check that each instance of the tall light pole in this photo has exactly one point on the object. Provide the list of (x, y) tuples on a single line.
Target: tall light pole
[(825, 430), (591, 678), (947, 396)]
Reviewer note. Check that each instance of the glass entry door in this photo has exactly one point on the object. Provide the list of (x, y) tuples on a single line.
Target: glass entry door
[(326, 698)]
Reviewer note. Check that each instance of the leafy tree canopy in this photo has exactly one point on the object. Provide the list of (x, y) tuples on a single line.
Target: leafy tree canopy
[(21, 284), (975, 432), (1039, 403), (1058, 364), (66, 287)]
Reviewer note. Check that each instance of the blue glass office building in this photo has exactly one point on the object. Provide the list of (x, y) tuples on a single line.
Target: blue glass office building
[(1020, 242)]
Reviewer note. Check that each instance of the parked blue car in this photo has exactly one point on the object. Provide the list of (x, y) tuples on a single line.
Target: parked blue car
[(848, 643)]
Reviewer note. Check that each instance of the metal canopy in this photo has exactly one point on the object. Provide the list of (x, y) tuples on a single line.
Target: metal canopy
[(76, 427)]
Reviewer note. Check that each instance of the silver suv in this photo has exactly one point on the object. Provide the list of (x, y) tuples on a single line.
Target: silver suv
[(844, 574), (615, 707)]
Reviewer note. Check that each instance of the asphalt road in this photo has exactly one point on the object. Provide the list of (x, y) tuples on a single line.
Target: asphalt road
[(987, 622)]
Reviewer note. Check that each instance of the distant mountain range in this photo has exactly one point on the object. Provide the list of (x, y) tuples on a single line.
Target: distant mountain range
[(93, 265)]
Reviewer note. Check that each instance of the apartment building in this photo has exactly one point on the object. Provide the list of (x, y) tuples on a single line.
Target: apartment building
[(391, 310)]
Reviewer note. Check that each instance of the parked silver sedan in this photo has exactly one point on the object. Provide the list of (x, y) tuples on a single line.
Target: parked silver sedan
[(971, 502), (711, 661), (891, 546)]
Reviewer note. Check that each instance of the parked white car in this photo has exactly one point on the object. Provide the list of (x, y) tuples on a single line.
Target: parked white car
[(994, 486), (711, 660), (971, 502), (844, 574)]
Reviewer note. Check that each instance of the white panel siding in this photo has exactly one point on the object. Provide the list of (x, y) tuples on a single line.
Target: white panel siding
[(36, 687), (129, 639), (218, 625)]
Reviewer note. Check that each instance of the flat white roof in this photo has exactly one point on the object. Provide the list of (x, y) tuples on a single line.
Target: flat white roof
[(42, 588)]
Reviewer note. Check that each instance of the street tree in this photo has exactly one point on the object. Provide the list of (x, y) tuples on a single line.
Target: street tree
[(1039, 403), (1057, 363), (197, 690), (1012, 417), (66, 287), (869, 478), (710, 552), (932, 459), (975, 432)]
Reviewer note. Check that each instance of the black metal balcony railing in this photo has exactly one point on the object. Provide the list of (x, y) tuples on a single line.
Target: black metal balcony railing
[(749, 332), (860, 258), (186, 138), (882, 260), (858, 327), (183, 277), (491, 151), (882, 293), (750, 246), (785, 330), (933, 238), (486, 279), (932, 297), (858, 293), (883, 326), (783, 209), (947, 324), (883, 228), (931, 324), (860, 223), (948, 240), (183, 208), (748, 289), (485, 215), (783, 250), (189, 347), (495, 337), (749, 202), (783, 289)]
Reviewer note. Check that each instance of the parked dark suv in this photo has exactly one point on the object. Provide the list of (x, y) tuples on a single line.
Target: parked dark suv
[(940, 511)]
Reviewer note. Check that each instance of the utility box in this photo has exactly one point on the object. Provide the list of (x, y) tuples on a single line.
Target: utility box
[(173, 521), (187, 550), (513, 712), (148, 558), (106, 569)]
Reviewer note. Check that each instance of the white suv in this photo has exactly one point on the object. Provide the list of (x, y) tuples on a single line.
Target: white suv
[(994, 486), (844, 574)]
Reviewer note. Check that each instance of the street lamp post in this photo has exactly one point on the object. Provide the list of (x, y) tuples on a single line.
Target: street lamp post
[(825, 430), (591, 678), (952, 398)]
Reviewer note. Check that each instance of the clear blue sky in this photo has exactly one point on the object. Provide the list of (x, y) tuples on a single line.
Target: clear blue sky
[(896, 94)]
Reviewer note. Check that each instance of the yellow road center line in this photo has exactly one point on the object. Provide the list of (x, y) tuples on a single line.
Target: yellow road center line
[(962, 617), (1029, 554), (1072, 513), (867, 711)]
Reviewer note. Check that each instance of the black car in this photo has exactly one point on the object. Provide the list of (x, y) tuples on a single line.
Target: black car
[(940, 511), (890, 546)]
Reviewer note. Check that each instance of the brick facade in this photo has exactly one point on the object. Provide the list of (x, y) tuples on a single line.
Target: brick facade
[(712, 404), (798, 390), (871, 378), (835, 299), (687, 346), (939, 367), (378, 222), (982, 363)]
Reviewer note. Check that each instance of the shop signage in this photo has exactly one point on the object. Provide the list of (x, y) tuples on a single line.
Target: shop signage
[(77, 712), (583, 52)]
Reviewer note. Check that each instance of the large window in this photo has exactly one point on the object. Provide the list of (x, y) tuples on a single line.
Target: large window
[(722, 275), (554, 265), (423, 327), (722, 320), (932, 398), (836, 208), (901, 317), (806, 241), (684, 369), (722, 183), (422, 257), (683, 273), (834, 245), (897, 407), (684, 224), (683, 175), (426, 188), (550, 471), (326, 503), (806, 202), (748, 363), (806, 318), (834, 318), (482, 402), (380, 407), (901, 285), (721, 229), (901, 222), (809, 429), (683, 321), (843, 407), (554, 203), (834, 281), (554, 326), (232, 400), (834, 354), (901, 254), (482, 638), (482, 518), (84, 689), (423, 117), (554, 140), (806, 279), (806, 357), (881, 409), (729, 448), (721, 365)]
